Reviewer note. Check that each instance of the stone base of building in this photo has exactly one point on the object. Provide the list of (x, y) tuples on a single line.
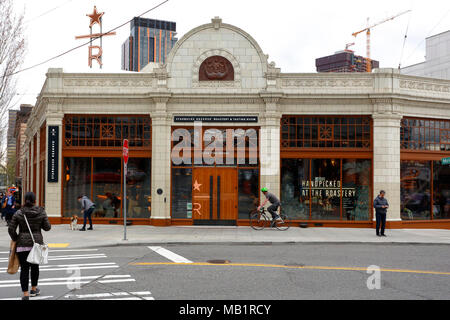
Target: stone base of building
[(442, 224)]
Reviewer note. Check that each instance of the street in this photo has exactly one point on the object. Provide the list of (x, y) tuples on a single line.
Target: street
[(241, 272)]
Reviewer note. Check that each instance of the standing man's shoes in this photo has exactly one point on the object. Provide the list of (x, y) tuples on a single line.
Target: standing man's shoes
[(383, 235), (82, 229), (35, 293), (90, 228)]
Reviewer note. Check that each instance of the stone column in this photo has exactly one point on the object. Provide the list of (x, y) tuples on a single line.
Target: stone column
[(161, 166), (38, 159), (386, 157), (53, 191), (270, 145)]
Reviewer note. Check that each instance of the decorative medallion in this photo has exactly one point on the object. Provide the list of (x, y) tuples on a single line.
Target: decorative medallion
[(107, 132), (326, 133), (216, 68)]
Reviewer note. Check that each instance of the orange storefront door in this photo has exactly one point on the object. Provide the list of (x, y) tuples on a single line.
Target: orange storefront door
[(214, 196)]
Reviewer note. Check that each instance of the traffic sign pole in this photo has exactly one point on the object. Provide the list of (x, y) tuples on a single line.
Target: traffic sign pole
[(125, 167)]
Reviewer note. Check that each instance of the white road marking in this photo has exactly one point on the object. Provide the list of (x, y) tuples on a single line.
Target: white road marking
[(75, 257), (134, 298), (31, 298), (114, 276), (61, 250), (118, 280), (73, 268), (170, 255), (70, 280), (106, 295)]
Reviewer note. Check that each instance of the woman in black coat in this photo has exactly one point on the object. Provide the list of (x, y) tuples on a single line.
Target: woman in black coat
[(37, 219)]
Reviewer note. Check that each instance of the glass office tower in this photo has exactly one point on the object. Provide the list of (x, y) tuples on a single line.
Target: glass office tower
[(150, 41)]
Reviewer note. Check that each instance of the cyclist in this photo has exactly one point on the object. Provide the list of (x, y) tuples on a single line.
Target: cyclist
[(275, 203)]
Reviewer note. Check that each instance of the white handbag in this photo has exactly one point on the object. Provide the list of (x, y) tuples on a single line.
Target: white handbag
[(39, 253)]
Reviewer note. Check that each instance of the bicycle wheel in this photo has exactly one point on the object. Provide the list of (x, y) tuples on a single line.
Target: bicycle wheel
[(282, 224), (258, 221)]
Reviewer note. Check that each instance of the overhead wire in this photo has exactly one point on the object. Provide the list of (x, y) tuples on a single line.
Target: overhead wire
[(404, 41), (47, 12), (429, 34), (82, 45)]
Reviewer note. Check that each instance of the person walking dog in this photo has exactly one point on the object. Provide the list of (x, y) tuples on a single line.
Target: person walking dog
[(37, 220), (381, 205), (87, 208)]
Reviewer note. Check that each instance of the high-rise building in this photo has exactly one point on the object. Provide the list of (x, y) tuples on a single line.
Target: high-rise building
[(437, 59), (11, 143), (150, 41), (19, 134), (344, 61)]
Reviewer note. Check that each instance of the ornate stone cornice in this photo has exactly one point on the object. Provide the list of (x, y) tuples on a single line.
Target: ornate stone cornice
[(271, 97), (425, 85)]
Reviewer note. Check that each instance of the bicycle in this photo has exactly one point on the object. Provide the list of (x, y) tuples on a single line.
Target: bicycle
[(260, 220)]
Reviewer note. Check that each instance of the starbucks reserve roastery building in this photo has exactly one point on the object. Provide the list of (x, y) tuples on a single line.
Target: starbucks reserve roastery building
[(325, 143)]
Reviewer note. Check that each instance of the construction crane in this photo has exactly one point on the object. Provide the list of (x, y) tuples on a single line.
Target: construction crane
[(348, 45), (367, 30)]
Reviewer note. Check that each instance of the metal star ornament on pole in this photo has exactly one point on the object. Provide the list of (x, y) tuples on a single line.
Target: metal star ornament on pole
[(96, 18)]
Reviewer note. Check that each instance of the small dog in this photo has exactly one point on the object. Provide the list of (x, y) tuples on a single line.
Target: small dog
[(73, 222)]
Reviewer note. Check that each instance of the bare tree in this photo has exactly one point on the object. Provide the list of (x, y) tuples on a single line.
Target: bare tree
[(12, 52)]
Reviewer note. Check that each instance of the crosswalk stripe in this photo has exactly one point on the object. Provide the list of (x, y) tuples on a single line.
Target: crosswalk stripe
[(67, 267), (74, 278), (66, 258), (117, 280), (170, 255), (62, 250), (31, 298), (56, 255), (75, 268), (106, 295)]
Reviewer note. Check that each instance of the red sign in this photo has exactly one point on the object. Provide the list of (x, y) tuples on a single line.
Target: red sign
[(125, 151)]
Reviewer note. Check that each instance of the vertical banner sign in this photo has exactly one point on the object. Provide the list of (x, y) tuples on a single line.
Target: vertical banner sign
[(53, 154), (125, 165)]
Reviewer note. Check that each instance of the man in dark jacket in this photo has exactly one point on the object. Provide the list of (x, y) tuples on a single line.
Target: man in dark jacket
[(87, 208), (381, 205)]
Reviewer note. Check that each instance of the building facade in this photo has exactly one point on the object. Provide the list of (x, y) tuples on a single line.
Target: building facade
[(437, 63), (218, 121), (345, 61), (150, 41), (19, 134)]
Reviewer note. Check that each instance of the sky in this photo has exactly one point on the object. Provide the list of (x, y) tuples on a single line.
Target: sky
[(292, 32)]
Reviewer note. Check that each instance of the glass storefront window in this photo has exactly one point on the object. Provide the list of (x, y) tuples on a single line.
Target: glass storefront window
[(415, 197), (294, 189), (181, 193), (138, 188), (356, 189), (248, 185), (325, 189), (321, 196), (107, 187), (76, 182), (441, 190)]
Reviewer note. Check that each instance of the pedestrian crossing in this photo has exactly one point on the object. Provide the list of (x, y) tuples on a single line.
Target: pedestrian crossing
[(63, 280)]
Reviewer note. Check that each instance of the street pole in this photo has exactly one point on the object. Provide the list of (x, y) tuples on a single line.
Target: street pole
[(125, 166), (125, 202)]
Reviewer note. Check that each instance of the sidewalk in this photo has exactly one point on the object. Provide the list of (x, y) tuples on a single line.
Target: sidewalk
[(112, 235)]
